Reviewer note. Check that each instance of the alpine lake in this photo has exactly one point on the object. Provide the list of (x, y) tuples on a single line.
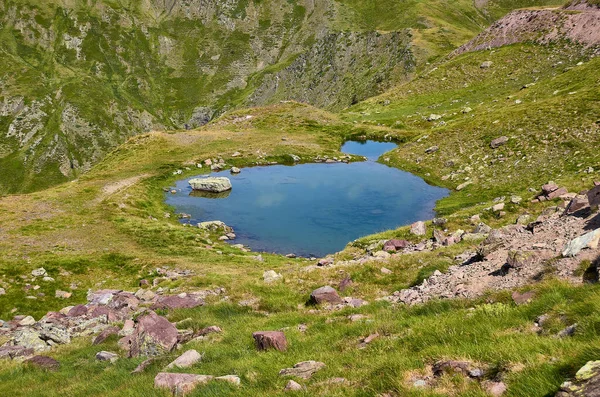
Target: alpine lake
[(312, 209)]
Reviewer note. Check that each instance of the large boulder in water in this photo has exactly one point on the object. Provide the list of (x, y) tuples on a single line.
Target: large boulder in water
[(215, 185)]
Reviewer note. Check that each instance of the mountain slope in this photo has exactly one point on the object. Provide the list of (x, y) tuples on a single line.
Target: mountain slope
[(78, 78)]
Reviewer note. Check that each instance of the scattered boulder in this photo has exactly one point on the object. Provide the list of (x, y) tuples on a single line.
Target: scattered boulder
[(418, 228), (325, 294), (304, 369), (271, 276), (432, 149), (44, 362), (212, 184), (62, 294), (41, 272), (588, 240), (266, 340), (586, 382), (215, 226), (176, 302), (292, 386), (179, 384), (395, 245), (186, 360), (233, 379), (235, 170), (28, 320), (452, 367), (496, 143), (107, 356), (495, 389), (77, 311), (569, 331), (593, 196), (434, 117), (153, 335), (143, 365), (578, 203), (486, 65)]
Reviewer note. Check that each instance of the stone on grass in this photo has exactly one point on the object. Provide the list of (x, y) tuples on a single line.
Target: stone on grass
[(213, 329), (418, 228), (39, 272), (519, 259), (44, 362), (266, 340), (143, 365), (304, 369), (179, 384), (292, 386), (176, 302), (270, 276), (486, 65), (107, 356), (325, 294), (496, 389), (62, 294), (233, 379), (395, 245), (154, 335), (186, 360), (496, 143)]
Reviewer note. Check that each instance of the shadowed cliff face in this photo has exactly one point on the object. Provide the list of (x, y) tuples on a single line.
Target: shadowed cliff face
[(78, 78)]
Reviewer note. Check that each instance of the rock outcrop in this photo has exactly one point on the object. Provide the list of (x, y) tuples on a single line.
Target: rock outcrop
[(212, 184)]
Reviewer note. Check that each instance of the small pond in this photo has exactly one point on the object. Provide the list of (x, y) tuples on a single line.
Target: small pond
[(313, 209)]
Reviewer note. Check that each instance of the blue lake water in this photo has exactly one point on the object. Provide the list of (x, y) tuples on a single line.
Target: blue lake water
[(314, 209)]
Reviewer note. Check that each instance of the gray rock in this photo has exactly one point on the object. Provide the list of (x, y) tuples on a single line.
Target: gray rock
[(434, 117), (292, 386), (39, 272), (27, 321), (418, 228), (186, 360), (107, 356), (212, 184), (29, 339), (588, 240), (496, 143), (270, 276), (235, 170), (215, 226), (304, 369), (233, 379), (432, 149), (593, 196), (486, 65)]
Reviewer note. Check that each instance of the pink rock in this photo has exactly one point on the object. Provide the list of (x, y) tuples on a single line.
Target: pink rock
[(186, 360), (44, 362), (176, 302), (594, 196), (179, 384), (153, 335), (557, 193), (265, 340), (77, 311), (394, 245), (325, 294), (105, 334), (522, 298)]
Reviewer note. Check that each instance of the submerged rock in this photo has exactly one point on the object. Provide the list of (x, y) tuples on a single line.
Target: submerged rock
[(213, 184)]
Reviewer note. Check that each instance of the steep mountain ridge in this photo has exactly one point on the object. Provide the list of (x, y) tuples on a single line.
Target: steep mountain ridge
[(78, 78)]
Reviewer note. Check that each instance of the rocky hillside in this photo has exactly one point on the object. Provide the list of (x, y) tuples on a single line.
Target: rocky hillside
[(79, 78), (577, 22)]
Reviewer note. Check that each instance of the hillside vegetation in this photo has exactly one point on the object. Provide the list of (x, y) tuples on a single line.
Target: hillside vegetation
[(518, 329), (79, 78)]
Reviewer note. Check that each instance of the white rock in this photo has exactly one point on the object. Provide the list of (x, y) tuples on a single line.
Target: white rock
[(212, 184), (186, 360)]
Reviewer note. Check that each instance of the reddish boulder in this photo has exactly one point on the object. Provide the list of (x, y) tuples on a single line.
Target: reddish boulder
[(594, 196), (176, 302), (77, 311), (395, 245), (153, 335), (557, 193), (266, 340), (577, 203), (179, 384), (44, 362), (15, 351), (549, 188), (325, 295)]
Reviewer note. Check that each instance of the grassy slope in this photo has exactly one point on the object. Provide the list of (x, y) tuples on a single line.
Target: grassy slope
[(52, 229)]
